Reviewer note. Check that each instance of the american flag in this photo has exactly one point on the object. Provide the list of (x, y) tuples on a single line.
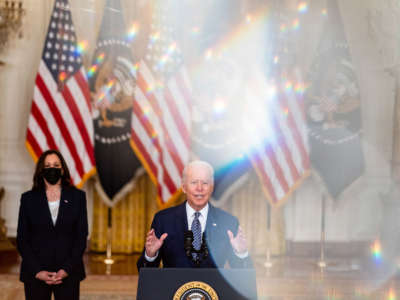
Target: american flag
[(162, 111), (282, 159), (60, 115)]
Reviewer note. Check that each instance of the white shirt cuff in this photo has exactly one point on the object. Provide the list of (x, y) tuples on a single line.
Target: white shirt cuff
[(150, 259), (241, 255)]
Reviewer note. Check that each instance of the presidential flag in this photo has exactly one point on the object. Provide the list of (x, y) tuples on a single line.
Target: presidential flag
[(334, 109), (161, 124), (60, 115), (112, 82)]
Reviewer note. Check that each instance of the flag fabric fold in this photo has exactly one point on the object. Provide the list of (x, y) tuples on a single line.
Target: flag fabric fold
[(280, 155), (112, 79), (334, 109), (60, 116), (161, 125)]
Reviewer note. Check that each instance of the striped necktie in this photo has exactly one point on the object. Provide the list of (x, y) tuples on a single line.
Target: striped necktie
[(196, 229)]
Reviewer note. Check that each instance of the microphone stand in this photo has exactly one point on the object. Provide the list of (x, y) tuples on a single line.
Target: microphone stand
[(190, 250)]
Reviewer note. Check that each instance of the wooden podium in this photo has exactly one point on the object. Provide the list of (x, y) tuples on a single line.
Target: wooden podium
[(182, 284)]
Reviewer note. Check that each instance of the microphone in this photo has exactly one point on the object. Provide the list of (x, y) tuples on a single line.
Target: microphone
[(187, 244), (204, 248)]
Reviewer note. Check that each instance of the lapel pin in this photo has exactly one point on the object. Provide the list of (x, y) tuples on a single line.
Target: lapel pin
[(214, 224), (65, 201)]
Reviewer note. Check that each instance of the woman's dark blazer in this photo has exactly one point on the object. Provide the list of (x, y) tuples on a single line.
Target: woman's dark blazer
[(47, 247)]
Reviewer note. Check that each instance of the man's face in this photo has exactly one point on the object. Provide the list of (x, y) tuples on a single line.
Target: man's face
[(197, 186)]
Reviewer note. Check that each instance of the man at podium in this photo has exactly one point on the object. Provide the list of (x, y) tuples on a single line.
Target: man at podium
[(195, 233)]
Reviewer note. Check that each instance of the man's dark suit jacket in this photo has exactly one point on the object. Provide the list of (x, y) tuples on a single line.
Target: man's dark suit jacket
[(172, 253), (47, 247)]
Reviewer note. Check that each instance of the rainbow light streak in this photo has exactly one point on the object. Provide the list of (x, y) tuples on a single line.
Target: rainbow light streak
[(283, 27), (209, 54), (288, 86), (108, 87), (324, 12), (271, 91), (167, 56), (219, 106), (249, 18), (302, 7), (153, 87), (134, 69), (146, 111), (154, 37), (81, 47), (92, 71), (133, 30), (296, 24), (100, 58), (195, 30), (285, 111), (300, 89), (62, 76), (391, 295), (276, 59), (376, 250)]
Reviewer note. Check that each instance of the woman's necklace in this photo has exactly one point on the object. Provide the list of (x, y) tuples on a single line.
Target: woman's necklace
[(53, 193)]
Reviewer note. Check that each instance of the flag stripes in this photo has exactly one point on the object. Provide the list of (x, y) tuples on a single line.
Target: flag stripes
[(60, 115), (161, 129), (282, 162)]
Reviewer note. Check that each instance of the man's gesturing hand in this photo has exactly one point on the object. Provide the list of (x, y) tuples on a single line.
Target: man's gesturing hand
[(153, 244), (239, 243)]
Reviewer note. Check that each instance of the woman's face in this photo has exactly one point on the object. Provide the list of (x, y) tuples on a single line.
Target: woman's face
[(52, 161)]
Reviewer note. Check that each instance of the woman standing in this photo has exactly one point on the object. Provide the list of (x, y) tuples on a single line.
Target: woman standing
[(52, 232)]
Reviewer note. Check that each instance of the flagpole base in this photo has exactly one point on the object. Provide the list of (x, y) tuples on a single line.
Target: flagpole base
[(268, 263)]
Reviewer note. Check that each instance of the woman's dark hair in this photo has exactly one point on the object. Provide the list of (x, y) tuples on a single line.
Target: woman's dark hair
[(38, 182)]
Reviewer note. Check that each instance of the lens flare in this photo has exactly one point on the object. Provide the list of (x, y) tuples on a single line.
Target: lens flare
[(100, 58), (154, 37), (288, 86), (249, 18), (82, 46), (391, 295), (132, 33), (195, 30), (283, 27), (324, 12), (376, 250), (209, 54), (92, 71), (302, 7), (62, 76), (219, 106), (300, 88), (296, 24)]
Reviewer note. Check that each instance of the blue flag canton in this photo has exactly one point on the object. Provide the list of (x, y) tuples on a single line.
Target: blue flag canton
[(163, 54), (61, 53)]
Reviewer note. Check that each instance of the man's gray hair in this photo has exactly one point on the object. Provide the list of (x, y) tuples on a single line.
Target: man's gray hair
[(198, 163)]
